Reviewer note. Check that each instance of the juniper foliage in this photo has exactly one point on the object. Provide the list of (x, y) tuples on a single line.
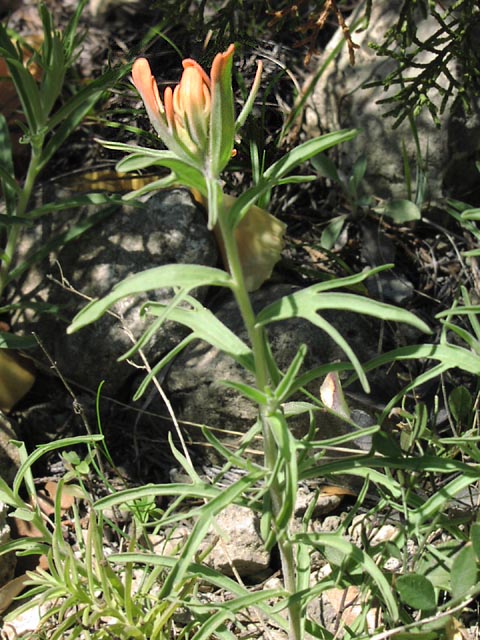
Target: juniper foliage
[(450, 73)]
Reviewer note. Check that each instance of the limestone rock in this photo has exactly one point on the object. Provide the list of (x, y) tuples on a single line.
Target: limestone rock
[(341, 100), (236, 542), (169, 229)]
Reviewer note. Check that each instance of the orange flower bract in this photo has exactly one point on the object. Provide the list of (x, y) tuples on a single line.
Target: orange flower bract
[(184, 118)]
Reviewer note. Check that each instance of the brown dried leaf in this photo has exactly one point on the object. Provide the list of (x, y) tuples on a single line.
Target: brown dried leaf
[(17, 376), (11, 590), (332, 490), (348, 605), (66, 501)]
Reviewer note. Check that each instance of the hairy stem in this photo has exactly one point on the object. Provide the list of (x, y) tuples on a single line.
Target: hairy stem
[(263, 381)]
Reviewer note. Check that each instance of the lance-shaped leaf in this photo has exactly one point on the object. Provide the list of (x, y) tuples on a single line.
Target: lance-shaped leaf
[(277, 172), (206, 326), (8, 184), (310, 302), (222, 118), (64, 121), (188, 276)]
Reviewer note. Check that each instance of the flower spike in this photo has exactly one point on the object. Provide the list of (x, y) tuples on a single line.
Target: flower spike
[(196, 118)]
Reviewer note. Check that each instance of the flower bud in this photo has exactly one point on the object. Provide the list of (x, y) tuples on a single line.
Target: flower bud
[(196, 118)]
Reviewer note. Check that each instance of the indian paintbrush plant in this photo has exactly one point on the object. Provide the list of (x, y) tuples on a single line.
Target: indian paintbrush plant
[(197, 124)]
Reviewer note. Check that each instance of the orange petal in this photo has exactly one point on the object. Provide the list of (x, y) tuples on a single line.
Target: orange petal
[(220, 62), (147, 87), (168, 98), (188, 62)]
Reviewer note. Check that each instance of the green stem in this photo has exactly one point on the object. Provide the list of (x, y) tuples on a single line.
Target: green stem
[(13, 233), (255, 333), (262, 379)]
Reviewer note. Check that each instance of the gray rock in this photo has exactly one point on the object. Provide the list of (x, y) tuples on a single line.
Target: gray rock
[(340, 100), (169, 229), (194, 381), (236, 544)]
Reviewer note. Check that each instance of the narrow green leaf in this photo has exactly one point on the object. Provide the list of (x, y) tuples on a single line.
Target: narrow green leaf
[(55, 66), (471, 214), (228, 496), (26, 546), (139, 161), (284, 387), (84, 200), (306, 151), (156, 185), (295, 180), (359, 557), (400, 211), (347, 437), (460, 403), (64, 121), (6, 221), (280, 169), (180, 296), (347, 281), (43, 449), (416, 591), (6, 172), (12, 341), (464, 335), (188, 276), (464, 574), (251, 393), (161, 364), (129, 496), (72, 35), (9, 186), (325, 167), (337, 337), (449, 356), (303, 304), (28, 92), (8, 497), (288, 469), (436, 503), (136, 150), (332, 232), (459, 311), (236, 458), (475, 538), (358, 173), (208, 327)]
